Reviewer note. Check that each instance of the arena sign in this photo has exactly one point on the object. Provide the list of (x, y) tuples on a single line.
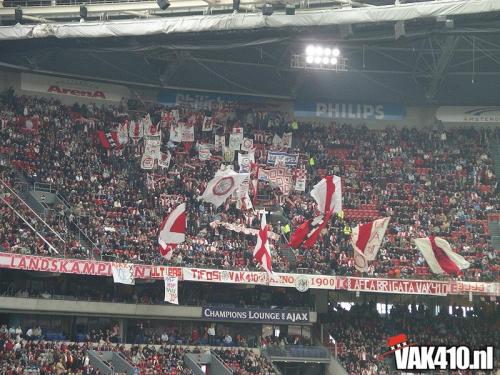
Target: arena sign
[(351, 111), (255, 315), (301, 282), (469, 114), (213, 101), (73, 87)]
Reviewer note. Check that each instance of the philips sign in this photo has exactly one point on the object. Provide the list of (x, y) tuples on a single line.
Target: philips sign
[(353, 111)]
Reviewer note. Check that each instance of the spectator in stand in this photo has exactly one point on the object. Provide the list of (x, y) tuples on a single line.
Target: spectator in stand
[(428, 183)]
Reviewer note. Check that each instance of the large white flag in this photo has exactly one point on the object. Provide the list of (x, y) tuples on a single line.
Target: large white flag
[(328, 194), (224, 183), (440, 257), (366, 240), (123, 273), (172, 290)]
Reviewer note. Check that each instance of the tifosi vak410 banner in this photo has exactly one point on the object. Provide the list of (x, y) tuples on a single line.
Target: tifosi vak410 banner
[(301, 282)]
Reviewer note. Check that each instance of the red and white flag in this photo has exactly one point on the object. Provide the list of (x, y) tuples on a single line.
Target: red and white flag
[(224, 183), (262, 251), (440, 257), (308, 232), (172, 231), (135, 130), (366, 240), (328, 194), (109, 140)]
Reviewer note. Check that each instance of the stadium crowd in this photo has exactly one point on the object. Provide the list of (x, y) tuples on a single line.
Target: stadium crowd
[(24, 353), (430, 181), (358, 336)]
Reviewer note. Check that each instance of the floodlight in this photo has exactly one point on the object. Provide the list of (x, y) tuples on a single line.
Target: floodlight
[(319, 50), (326, 60), (309, 59), (310, 50), (317, 60), (336, 52), (334, 61), (327, 51)]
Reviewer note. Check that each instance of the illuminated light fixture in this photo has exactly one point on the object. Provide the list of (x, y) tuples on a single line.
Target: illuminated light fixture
[(336, 52), (334, 61), (327, 51), (310, 50), (309, 59), (326, 60), (317, 60), (319, 51)]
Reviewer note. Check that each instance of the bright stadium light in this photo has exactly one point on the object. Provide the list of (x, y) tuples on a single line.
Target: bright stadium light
[(310, 50), (320, 57)]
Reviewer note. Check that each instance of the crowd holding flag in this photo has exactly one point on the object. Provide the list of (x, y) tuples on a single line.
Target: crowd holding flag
[(328, 194), (262, 251), (366, 240), (440, 257), (172, 231), (283, 170), (222, 186)]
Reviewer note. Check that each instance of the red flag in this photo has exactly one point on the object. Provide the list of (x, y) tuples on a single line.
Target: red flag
[(316, 231), (172, 231), (262, 251), (109, 140), (308, 232), (300, 234)]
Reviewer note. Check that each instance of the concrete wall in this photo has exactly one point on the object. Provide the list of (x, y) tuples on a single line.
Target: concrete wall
[(62, 307)]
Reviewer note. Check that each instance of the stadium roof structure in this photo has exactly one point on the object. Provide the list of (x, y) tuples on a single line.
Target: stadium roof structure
[(445, 52)]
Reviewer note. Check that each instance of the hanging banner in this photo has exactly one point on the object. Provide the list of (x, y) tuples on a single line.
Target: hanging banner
[(207, 124), (123, 273), (220, 142), (164, 161), (176, 130), (330, 110), (187, 133), (235, 140), (204, 152), (286, 140), (245, 161), (214, 313), (247, 144), (172, 290), (469, 114), (289, 280), (300, 179), (290, 160), (151, 153)]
